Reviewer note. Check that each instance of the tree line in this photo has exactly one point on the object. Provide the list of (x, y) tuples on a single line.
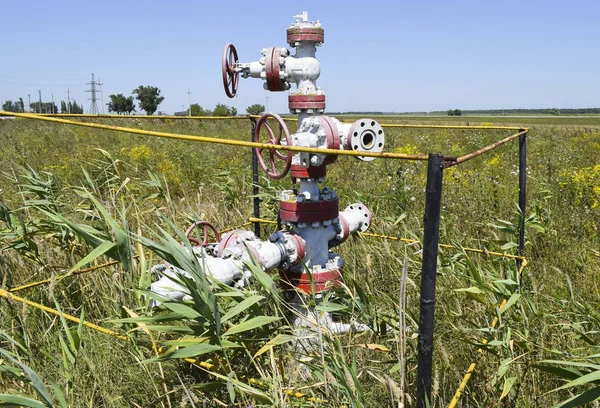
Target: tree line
[(148, 98), (42, 107), (220, 110), (549, 111)]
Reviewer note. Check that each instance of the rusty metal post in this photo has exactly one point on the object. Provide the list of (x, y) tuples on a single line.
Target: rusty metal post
[(433, 204), (256, 200), (522, 188)]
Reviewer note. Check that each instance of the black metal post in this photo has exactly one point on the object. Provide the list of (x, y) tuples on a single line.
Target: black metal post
[(256, 200), (431, 233), (522, 188)]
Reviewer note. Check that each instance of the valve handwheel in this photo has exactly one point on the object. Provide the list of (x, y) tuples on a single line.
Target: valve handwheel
[(206, 226), (231, 78), (286, 157)]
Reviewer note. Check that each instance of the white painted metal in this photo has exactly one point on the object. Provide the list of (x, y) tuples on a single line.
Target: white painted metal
[(284, 250)]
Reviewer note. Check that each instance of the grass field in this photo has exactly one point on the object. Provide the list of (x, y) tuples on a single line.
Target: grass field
[(61, 187), (509, 120)]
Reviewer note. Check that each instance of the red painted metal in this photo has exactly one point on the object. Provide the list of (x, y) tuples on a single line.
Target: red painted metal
[(287, 158), (309, 206), (230, 238), (300, 246), (290, 216), (323, 280), (333, 138), (309, 211), (206, 226), (306, 101), (345, 228), (231, 78), (305, 34), (299, 172), (272, 60)]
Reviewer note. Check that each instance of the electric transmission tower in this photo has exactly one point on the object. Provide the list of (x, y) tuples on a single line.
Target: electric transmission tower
[(94, 105)]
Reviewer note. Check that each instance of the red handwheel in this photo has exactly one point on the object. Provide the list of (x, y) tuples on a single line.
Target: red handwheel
[(286, 156), (231, 78), (206, 227)]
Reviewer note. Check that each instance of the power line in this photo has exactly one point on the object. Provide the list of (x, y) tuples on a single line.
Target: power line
[(101, 95), (190, 102), (32, 84)]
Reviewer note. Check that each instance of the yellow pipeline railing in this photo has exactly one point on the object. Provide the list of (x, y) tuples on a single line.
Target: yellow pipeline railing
[(229, 142), (471, 369), (450, 160), (203, 365), (415, 241), (288, 119)]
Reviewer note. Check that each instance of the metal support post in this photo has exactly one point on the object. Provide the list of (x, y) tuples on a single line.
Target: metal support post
[(256, 200), (522, 188), (433, 204)]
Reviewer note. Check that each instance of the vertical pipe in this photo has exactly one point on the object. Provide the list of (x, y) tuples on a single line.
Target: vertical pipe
[(433, 204), (522, 188), (256, 200)]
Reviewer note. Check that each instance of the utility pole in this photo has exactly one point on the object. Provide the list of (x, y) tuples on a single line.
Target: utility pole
[(190, 102), (69, 100), (94, 105), (40, 105), (29, 101), (267, 105), (101, 95), (52, 106)]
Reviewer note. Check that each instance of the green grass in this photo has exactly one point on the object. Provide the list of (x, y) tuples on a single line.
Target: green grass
[(554, 316)]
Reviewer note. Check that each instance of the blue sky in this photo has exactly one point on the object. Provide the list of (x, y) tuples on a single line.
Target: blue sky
[(377, 56)]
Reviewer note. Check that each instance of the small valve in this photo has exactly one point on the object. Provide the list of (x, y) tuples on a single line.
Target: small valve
[(231, 76), (269, 166)]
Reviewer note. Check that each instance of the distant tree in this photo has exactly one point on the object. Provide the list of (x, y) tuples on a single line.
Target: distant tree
[(10, 106), (224, 110), (196, 110), (74, 108), (7, 106), (554, 111), (148, 97), (63, 107), (45, 107), (457, 112), (450, 112), (256, 109), (21, 105), (121, 104), (221, 110)]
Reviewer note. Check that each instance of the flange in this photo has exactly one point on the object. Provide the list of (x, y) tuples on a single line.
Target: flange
[(299, 34), (366, 135), (306, 102), (313, 172), (309, 211), (272, 65)]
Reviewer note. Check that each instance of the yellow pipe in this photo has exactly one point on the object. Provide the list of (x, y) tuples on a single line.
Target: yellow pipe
[(287, 119), (475, 127), (91, 116), (60, 277), (471, 368), (9, 296), (221, 141), (414, 241)]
